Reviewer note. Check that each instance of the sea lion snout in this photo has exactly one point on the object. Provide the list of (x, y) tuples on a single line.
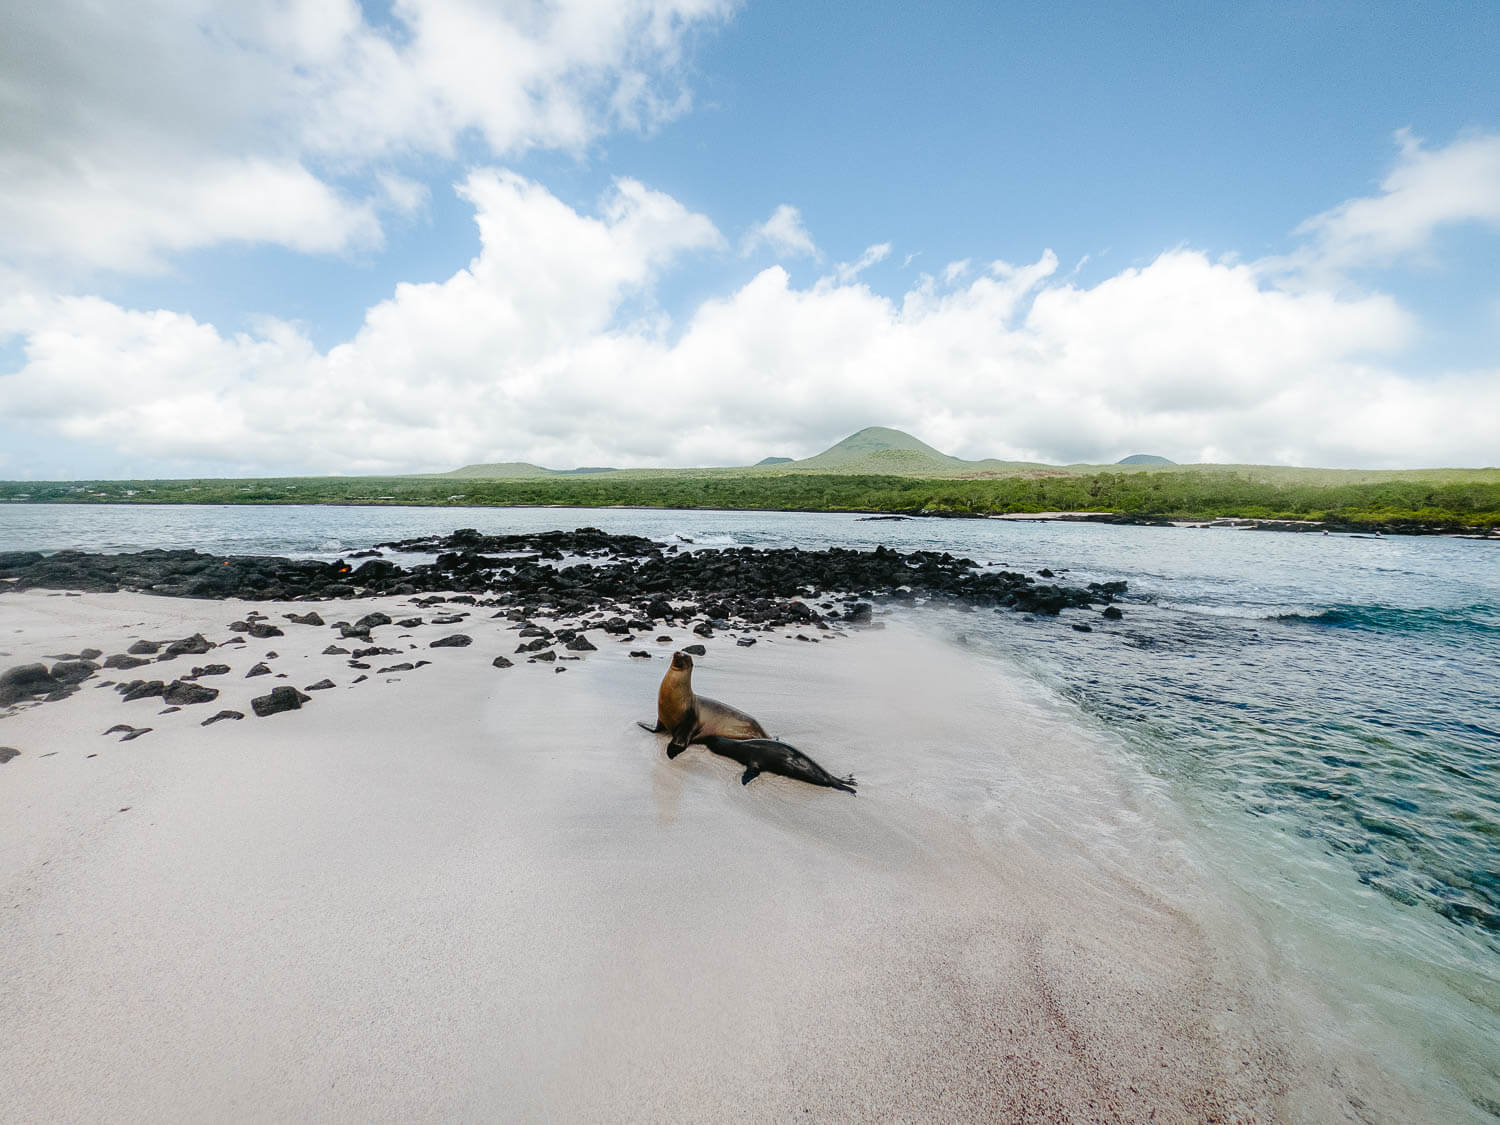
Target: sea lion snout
[(681, 660)]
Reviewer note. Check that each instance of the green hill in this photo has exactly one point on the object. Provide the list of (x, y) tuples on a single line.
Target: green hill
[(881, 451), (500, 470)]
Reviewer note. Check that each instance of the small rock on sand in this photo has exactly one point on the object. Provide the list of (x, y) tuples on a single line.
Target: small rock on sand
[(73, 671), (501, 662), (124, 662), (144, 648), (196, 645), (641, 654), (24, 681), (695, 650), (321, 685), (7, 753), (222, 715), (180, 692), (455, 640), (280, 699)]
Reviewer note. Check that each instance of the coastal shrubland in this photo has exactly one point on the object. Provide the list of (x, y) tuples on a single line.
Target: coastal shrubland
[(1452, 500)]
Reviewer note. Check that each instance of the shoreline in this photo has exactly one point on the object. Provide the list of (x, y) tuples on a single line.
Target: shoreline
[(466, 890), (1412, 525)]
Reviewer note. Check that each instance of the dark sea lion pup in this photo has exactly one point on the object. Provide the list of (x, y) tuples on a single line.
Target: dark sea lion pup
[(766, 755), (692, 718)]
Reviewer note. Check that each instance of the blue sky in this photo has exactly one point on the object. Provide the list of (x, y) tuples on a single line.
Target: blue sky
[(1173, 159)]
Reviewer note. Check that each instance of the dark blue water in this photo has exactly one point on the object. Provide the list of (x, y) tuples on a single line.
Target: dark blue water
[(1326, 708)]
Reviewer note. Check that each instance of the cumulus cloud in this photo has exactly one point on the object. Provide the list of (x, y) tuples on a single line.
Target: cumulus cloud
[(535, 351), (1427, 189), (130, 131), (783, 233)]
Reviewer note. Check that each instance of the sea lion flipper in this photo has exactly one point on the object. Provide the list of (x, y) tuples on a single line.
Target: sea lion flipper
[(682, 733), (751, 773), (655, 728)]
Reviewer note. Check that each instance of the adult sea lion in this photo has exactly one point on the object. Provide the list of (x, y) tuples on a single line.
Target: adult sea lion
[(766, 755), (689, 717)]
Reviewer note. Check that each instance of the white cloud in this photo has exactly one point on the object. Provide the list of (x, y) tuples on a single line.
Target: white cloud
[(845, 272), (1428, 189), (784, 233), (130, 131), (530, 353)]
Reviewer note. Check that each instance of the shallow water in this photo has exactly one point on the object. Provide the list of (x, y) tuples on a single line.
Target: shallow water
[(1322, 708)]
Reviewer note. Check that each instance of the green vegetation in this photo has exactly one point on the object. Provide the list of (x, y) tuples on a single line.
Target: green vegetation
[(1397, 501), (877, 470)]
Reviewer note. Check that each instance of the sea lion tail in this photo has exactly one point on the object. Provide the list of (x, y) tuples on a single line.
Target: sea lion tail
[(847, 784)]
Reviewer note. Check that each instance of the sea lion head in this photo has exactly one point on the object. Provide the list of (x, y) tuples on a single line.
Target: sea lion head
[(682, 662)]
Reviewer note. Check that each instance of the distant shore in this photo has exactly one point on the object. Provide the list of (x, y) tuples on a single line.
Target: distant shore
[(1443, 502), (1401, 523)]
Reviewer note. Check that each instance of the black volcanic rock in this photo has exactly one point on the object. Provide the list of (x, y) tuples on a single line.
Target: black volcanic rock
[(25, 681), (179, 693), (124, 662), (280, 699), (628, 578), (456, 640), (73, 671), (196, 645), (141, 689), (222, 715)]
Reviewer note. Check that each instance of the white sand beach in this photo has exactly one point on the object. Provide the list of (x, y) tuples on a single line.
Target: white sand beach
[(464, 892)]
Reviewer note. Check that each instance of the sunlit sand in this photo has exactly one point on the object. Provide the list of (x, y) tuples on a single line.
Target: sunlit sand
[(472, 892)]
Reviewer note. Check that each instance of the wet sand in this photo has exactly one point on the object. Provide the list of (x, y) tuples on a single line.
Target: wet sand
[(470, 892)]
